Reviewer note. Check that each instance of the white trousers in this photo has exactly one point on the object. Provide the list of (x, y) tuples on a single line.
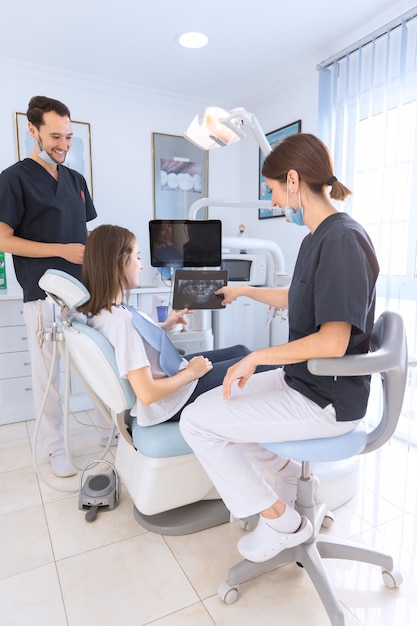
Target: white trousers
[(51, 430), (224, 434)]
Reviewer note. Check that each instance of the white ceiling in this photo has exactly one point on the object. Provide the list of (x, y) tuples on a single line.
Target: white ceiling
[(253, 47)]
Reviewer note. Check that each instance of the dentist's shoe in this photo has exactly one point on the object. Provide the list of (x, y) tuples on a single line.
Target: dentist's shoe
[(61, 465), (265, 542)]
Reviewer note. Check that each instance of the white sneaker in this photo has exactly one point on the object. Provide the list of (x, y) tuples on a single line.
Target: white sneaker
[(285, 483), (61, 465), (264, 542)]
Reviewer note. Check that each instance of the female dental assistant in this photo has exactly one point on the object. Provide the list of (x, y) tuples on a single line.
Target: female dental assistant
[(331, 304)]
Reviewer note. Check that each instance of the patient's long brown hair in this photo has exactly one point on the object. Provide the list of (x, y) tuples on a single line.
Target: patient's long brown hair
[(106, 254)]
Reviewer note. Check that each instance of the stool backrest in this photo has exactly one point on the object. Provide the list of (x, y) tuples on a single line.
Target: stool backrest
[(388, 358)]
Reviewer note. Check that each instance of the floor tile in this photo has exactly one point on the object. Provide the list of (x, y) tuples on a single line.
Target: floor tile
[(207, 556), (11, 432), (24, 541), (19, 490), (71, 534), (130, 582), (195, 615), (59, 570), (283, 596), (15, 454), (32, 598)]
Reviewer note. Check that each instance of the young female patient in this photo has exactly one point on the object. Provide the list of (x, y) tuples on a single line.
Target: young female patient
[(164, 383)]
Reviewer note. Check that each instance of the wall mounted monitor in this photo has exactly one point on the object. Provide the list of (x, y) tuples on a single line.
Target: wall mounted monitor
[(185, 243)]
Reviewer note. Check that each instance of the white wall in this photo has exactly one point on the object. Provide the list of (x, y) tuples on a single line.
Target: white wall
[(123, 118), (122, 121), (289, 102)]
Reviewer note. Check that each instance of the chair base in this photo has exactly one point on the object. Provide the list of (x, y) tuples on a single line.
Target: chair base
[(185, 519), (310, 555)]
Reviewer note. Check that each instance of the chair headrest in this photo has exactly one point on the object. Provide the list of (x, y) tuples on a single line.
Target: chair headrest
[(65, 287)]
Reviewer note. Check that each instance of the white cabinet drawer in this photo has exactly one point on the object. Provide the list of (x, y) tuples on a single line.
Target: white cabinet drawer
[(16, 390), (11, 313), (13, 339), (14, 365)]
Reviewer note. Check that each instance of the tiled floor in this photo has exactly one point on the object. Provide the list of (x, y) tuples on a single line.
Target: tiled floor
[(56, 569)]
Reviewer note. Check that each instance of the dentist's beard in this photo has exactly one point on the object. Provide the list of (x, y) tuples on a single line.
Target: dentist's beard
[(44, 155)]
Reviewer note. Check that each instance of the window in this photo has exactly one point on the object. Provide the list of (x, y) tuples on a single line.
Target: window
[(368, 118)]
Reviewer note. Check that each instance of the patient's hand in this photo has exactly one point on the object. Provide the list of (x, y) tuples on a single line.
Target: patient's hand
[(175, 318), (199, 366)]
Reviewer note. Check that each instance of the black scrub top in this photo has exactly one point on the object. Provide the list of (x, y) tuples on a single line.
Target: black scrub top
[(39, 208), (334, 281)]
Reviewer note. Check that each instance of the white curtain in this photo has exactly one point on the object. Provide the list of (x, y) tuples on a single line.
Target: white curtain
[(368, 118)]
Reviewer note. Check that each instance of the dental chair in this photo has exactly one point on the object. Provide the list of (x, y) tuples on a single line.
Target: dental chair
[(171, 492), (387, 359)]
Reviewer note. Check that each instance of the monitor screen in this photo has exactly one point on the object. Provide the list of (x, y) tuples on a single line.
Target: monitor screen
[(185, 243)]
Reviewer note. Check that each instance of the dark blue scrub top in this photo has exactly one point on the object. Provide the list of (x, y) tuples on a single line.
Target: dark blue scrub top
[(39, 208), (334, 281)]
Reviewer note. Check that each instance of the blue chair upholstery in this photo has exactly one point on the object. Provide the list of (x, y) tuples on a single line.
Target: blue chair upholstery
[(160, 441), (388, 359)]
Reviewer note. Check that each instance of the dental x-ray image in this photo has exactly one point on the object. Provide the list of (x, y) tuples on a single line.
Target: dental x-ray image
[(195, 289)]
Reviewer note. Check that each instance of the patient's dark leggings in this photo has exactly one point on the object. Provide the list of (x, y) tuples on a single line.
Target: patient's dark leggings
[(222, 359)]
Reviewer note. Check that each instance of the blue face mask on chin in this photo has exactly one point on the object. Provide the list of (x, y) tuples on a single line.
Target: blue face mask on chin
[(296, 217), (45, 156)]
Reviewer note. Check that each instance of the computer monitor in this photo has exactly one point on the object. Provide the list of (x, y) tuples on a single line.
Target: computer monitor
[(185, 243)]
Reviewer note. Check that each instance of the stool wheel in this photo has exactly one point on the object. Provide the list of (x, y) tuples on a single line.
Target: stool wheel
[(227, 594), (249, 523), (328, 520), (392, 579)]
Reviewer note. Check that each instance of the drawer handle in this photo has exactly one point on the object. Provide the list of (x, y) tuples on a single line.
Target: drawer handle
[(28, 388), (26, 363), (23, 338)]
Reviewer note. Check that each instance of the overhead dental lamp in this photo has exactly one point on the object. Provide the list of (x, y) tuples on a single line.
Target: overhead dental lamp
[(214, 127)]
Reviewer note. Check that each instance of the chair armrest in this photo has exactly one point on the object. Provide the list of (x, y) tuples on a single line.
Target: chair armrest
[(388, 347), (352, 364)]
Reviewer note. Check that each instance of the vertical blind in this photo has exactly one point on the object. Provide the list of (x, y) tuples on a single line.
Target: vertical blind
[(368, 118)]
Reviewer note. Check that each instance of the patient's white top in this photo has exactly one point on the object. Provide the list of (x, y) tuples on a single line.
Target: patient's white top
[(133, 352)]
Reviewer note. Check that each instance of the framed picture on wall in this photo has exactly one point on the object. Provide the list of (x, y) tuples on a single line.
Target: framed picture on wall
[(180, 176), (264, 194), (79, 155)]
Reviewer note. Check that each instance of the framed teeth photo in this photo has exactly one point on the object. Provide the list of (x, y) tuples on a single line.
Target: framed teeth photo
[(180, 175)]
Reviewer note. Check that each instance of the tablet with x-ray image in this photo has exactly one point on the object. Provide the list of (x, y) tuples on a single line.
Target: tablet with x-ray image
[(195, 289)]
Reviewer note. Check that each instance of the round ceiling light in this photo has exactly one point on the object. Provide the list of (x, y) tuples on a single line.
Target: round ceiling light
[(193, 40)]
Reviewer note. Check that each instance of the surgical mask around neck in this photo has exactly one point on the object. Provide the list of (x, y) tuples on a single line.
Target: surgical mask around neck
[(43, 154), (45, 157), (296, 217)]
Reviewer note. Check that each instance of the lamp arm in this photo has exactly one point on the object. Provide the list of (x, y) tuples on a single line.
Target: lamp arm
[(250, 120), (280, 276), (244, 204)]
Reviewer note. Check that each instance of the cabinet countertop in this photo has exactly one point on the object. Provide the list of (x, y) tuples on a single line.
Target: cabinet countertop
[(16, 294)]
